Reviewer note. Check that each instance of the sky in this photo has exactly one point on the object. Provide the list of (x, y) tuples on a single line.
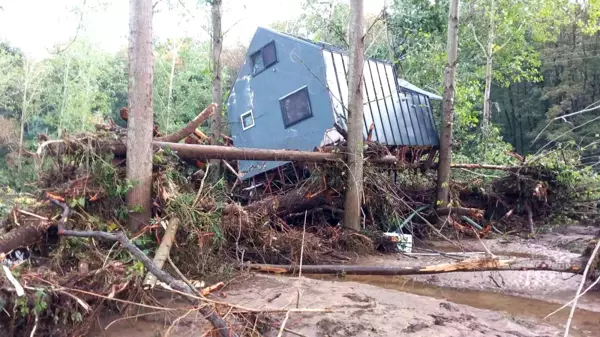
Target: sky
[(35, 26)]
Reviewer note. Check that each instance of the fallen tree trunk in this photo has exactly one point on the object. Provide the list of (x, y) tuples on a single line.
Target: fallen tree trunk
[(206, 152), (30, 234), (190, 128), (163, 251), (468, 265), (23, 236), (295, 201)]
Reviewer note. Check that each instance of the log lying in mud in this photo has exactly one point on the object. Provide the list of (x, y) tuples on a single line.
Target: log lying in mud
[(468, 265)]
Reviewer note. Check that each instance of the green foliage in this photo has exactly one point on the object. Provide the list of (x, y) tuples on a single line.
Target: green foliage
[(182, 82), (74, 90), (583, 182)]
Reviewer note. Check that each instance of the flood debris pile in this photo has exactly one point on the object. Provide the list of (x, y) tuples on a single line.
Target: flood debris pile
[(80, 191)]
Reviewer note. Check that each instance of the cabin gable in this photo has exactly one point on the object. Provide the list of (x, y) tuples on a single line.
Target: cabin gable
[(290, 92), (280, 99)]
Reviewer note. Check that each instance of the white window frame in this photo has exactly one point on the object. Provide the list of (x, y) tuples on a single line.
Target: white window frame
[(249, 112)]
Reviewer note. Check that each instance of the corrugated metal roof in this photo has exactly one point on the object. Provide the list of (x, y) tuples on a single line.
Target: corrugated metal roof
[(401, 116)]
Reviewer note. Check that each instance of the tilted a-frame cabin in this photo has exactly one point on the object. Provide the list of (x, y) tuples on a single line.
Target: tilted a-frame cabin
[(291, 91)]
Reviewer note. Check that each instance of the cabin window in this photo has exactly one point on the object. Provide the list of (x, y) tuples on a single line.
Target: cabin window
[(295, 107), (247, 120), (264, 58)]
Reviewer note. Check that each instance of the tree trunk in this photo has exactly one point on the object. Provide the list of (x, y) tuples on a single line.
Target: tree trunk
[(23, 111), (513, 123), (443, 180), (215, 127), (65, 97), (174, 54), (487, 104), (141, 105), (354, 190)]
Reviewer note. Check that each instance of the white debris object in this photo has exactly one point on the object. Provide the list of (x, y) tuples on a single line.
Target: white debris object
[(13, 280)]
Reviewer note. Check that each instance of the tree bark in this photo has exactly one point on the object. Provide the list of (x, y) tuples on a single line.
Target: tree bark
[(443, 180), (215, 127), (354, 189), (23, 236), (468, 265), (487, 104), (140, 119)]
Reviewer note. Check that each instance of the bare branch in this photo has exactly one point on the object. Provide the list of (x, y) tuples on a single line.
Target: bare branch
[(588, 109), (509, 39), (478, 42)]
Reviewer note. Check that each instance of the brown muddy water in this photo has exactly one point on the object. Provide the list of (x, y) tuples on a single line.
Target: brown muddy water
[(585, 322)]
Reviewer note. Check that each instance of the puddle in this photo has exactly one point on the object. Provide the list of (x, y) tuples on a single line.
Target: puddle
[(585, 322)]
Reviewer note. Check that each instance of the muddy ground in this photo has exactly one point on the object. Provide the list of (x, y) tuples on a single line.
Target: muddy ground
[(454, 304)]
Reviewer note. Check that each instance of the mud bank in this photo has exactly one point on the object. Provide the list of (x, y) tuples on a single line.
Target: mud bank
[(357, 310), (512, 303)]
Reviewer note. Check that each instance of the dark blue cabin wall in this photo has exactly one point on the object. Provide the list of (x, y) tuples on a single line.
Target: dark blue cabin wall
[(298, 64)]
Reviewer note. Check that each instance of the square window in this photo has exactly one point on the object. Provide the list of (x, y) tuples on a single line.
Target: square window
[(295, 107), (263, 58), (247, 120), (269, 55)]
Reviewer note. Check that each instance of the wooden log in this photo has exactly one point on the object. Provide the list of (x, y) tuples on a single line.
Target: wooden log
[(30, 234), (162, 253), (206, 152), (190, 128), (22, 236), (295, 201), (468, 265)]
